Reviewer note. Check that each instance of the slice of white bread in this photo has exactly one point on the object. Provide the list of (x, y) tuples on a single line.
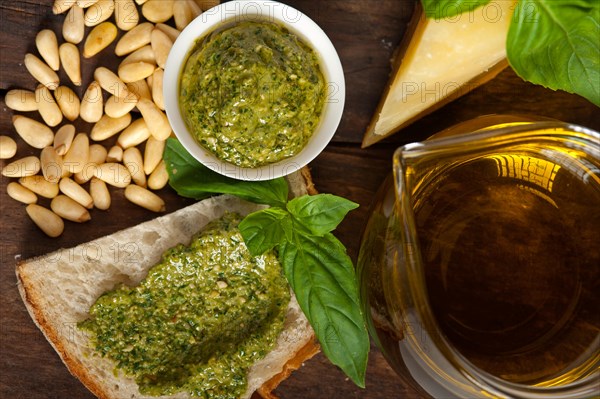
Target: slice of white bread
[(58, 289)]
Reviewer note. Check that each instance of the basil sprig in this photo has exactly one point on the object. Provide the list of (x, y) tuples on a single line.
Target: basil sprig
[(314, 262), (319, 271), (551, 43)]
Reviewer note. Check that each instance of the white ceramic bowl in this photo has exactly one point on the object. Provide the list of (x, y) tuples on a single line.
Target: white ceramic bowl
[(295, 22)]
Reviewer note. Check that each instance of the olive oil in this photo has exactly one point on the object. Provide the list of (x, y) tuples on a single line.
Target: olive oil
[(510, 247)]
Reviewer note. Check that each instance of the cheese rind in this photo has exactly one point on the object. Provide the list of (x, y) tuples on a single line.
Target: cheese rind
[(443, 60)]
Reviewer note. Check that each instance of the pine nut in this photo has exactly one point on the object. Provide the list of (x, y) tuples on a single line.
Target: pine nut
[(126, 14), (194, 7), (21, 100), (86, 3), (115, 154), (171, 32), (140, 89), (20, 193), (135, 71), (49, 110), (157, 88), (110, 82), (52, 165), (99, 38), (74, 191), (140, 2), (107, 127), (73, 28), (100, 194), (61, 6), (68, 209), (47, 45), (155, 119), (143, 54), (27, 166), (182, 14), (159, 177), (132, 158), (8, 147), (40, 186), (66, 173), (158, 10), (34, 133), (161, 45), (114, 174), (69, 57), (76, 158), (99, 12), (149, 80), (68, 102), (92, 106), (41, 72), (153, 154), (117, 107), (63, 139), (144, 198), (97, 156), (135, 134), (49, 222), (134, 39), (84, 176)]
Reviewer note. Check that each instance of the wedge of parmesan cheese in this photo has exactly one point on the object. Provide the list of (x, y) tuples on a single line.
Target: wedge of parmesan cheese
[(439, 61)]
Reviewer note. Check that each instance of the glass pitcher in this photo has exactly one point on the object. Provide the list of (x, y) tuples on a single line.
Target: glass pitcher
[(480, 262)]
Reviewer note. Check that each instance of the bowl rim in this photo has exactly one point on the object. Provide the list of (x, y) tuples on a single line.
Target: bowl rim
[(297, 23)]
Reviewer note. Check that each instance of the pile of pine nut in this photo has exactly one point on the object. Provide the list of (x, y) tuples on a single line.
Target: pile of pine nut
[(69, 160)]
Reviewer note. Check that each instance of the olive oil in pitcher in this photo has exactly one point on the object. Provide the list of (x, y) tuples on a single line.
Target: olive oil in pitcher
[(511, 254), (480, 263)]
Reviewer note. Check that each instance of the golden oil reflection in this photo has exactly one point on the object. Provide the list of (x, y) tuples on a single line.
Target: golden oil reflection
[(538, 173)]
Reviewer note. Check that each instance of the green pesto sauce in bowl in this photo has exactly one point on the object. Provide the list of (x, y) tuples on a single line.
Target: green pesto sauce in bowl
[(198, 321), (252, 94)]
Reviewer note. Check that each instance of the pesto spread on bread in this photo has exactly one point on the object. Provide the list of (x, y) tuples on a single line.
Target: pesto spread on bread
[(252, 94), (198, 321)]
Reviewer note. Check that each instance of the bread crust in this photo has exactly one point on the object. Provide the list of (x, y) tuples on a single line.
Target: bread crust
[(33, 305), (310, 186), (307, 352), (29, 289)]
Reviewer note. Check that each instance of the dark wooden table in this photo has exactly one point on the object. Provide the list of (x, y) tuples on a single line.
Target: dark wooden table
[(365, 33)]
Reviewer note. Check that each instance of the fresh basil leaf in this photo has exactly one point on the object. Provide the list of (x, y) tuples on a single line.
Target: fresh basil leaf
[(439, 9), (265, 229), (320, 213), (324, 282), (193, 180), (557, 44)]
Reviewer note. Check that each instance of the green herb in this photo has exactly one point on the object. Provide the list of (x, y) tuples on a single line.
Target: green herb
[(320, 214), (322, 277), (191, 179), (264, 230), (566, 51), (314, 262), (551, 43)]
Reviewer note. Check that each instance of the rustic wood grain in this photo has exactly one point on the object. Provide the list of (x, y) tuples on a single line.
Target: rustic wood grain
[(365, 33)]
